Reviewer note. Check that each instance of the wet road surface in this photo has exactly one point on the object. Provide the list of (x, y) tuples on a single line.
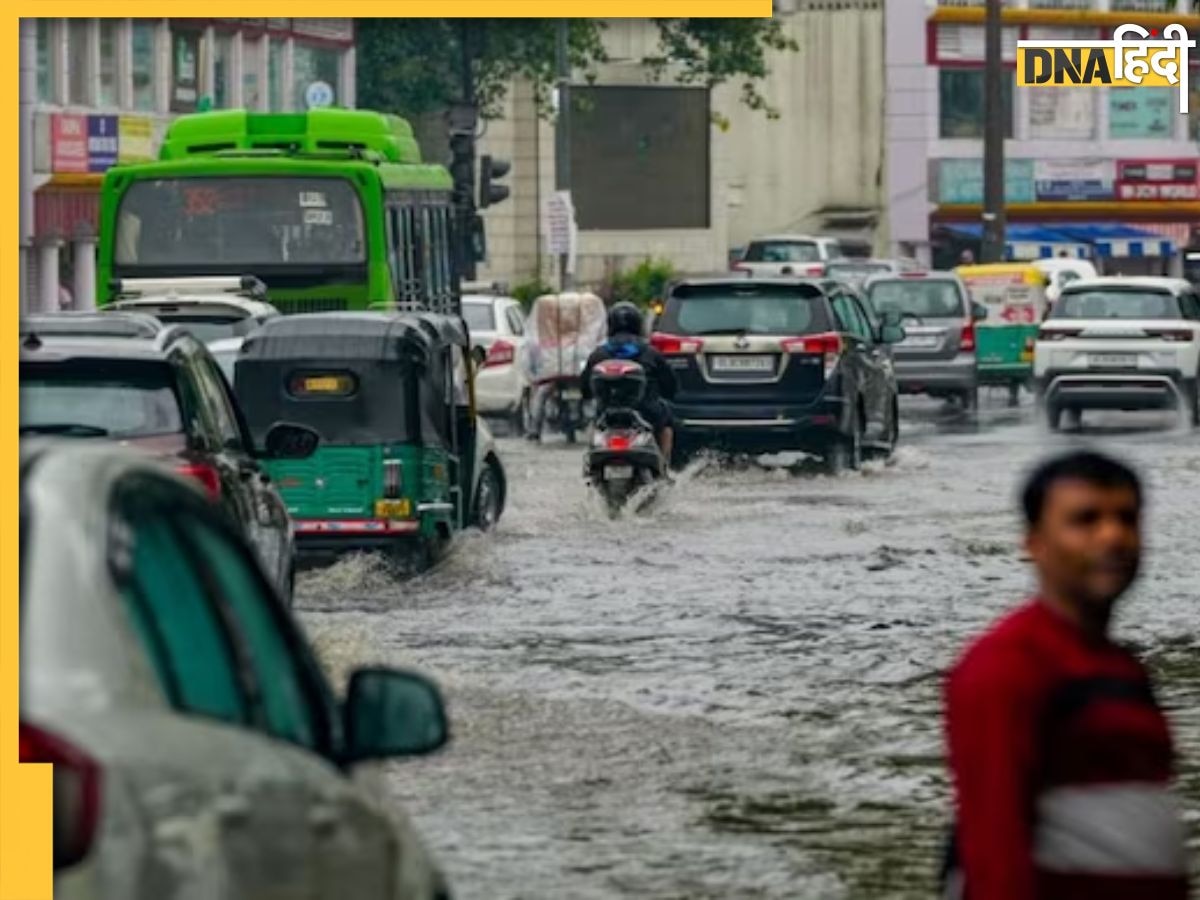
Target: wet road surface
[(736, 694)]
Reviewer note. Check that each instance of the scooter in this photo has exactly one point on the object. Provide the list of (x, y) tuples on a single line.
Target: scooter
[(563, 410), (624, 455)]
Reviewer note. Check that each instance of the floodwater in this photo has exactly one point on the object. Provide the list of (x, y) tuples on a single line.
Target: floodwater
[(737, 693)]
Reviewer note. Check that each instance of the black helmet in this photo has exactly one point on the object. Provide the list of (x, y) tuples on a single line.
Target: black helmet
[(624, 318)]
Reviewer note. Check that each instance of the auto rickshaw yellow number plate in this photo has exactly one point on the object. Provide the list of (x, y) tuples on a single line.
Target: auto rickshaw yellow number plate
[(393, 509), (325, 384)]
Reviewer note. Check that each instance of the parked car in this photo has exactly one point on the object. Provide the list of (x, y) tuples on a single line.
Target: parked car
[(496, 325), (198, 749), (789, 254), (1120, 343), (772, 364), (1061, 271), (131, 379), (858, 271), (211, 308), (937, 355)]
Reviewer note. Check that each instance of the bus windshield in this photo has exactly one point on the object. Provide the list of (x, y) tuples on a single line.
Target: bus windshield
[(249, 222)]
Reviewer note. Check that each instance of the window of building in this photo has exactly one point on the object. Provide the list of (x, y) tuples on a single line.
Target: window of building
[(252, 51), (108, 95), (316, 64), (79, 57), (275, 76), (1142, 112), (222, 70), (1062, 113), (144, 63), (45, 61), (960, 103)]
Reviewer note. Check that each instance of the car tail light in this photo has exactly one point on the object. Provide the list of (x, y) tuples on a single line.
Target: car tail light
[(76, 792), (393, 478), (1181, 335), (618, 442), (828, 345), (913, 274), (966, 340), (674, 345), (206, 474), (739, 267), (501, 353), (1057, 334), (815, 270)]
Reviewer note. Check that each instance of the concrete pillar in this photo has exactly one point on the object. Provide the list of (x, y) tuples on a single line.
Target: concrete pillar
[(27, 83), (84, 288), (48, 276)]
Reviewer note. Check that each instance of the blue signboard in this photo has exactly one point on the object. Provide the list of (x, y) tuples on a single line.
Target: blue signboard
[(1076, 189), (961, 181), (102, 143)]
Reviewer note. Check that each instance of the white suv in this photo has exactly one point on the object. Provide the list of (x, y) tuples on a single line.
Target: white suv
[(1120, 343), (789, 254)]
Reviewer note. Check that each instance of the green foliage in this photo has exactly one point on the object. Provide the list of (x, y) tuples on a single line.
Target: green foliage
[(416, 66), (528, 291), (640, 285)]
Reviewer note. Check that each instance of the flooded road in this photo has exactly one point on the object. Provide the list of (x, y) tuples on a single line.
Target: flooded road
[(737, 694)]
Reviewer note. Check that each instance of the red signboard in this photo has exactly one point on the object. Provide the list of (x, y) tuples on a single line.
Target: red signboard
[(1158, 179), (68, 142)]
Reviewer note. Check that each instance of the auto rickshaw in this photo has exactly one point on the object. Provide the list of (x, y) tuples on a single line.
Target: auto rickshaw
[(405, 463), (1014, 295)]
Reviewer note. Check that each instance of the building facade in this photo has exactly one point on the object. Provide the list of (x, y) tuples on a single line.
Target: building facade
[(98, 91), (1106, 172), (687, 174)]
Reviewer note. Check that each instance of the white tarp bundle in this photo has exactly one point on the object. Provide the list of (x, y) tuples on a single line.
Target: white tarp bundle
[(562, 331)]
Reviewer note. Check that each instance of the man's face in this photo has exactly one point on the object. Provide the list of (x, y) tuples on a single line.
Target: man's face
[(1087, 545)]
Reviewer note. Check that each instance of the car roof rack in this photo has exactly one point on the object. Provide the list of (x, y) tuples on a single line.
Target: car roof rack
[(496, 288), (248, 286)]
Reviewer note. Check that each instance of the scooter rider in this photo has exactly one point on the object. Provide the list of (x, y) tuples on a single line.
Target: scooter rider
[(625, 341)]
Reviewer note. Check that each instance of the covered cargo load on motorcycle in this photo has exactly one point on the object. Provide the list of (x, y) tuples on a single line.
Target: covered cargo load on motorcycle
[(562, 331)]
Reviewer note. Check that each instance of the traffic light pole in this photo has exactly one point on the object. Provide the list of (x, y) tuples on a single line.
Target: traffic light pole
[(994, 128), (466, 190), (562, 134)]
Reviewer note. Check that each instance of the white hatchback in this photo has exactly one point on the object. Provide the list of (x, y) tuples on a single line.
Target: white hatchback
[(1120, 343), (198, 750), (497, 327)]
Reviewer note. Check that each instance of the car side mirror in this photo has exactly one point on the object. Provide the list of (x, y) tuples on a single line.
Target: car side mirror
[(979, 312), (389, 713), (288, 441), (892, 317), (892, 333)]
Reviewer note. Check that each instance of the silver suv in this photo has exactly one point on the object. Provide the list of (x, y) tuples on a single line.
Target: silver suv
[(937, 356)]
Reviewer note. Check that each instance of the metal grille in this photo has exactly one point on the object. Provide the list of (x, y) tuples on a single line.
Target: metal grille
[(314, 305)]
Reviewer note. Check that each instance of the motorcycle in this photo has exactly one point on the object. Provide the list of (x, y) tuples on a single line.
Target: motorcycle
[(563, 406), (624, 455)]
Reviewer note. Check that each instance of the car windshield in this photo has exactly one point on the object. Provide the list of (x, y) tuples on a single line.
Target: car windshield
[(920, 299), (729, 309), (207, 329), (99, 398), (247, 221), (1116, 304), (783, 251), (479, 316)]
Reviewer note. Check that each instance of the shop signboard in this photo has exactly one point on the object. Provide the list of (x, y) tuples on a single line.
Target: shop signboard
[(1158, 179), (960, 181), (68, 142), (1142, 112), (1074, 179), (135, 139), (102, 143)]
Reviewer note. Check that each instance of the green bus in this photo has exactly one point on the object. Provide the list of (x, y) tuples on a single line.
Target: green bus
[(332, 208)]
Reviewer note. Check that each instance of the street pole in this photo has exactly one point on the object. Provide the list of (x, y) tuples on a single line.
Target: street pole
[(562, 133), (27, 85), (466, 205), (994, 113)]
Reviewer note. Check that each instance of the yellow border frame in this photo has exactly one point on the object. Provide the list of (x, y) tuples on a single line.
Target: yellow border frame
[(26, 869)]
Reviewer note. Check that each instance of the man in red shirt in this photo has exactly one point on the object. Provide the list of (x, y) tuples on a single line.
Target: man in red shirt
[(1060, 756)]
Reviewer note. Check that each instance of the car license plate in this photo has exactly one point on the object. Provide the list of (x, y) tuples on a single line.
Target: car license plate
[(393, 509), (920, 341), (1113, 360), (618, 473), (746, 363)]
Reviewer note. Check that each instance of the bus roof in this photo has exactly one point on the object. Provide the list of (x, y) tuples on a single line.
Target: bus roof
[(424, 176), (314, 131)]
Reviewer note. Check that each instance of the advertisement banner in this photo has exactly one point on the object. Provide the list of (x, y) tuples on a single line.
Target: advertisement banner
[(1158, 179), (961, 181), (1074, 179), (135, 139), (185, 70), (1142, 112), (1062, 113), (102, 143), (68, 142)]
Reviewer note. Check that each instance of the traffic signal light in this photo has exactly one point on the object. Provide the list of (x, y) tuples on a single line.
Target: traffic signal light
[(462, 166), (491, 169)]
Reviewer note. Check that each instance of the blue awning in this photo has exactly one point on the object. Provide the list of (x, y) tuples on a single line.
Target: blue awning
[(1081, 239), (1028, 241), (1114, 239)]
